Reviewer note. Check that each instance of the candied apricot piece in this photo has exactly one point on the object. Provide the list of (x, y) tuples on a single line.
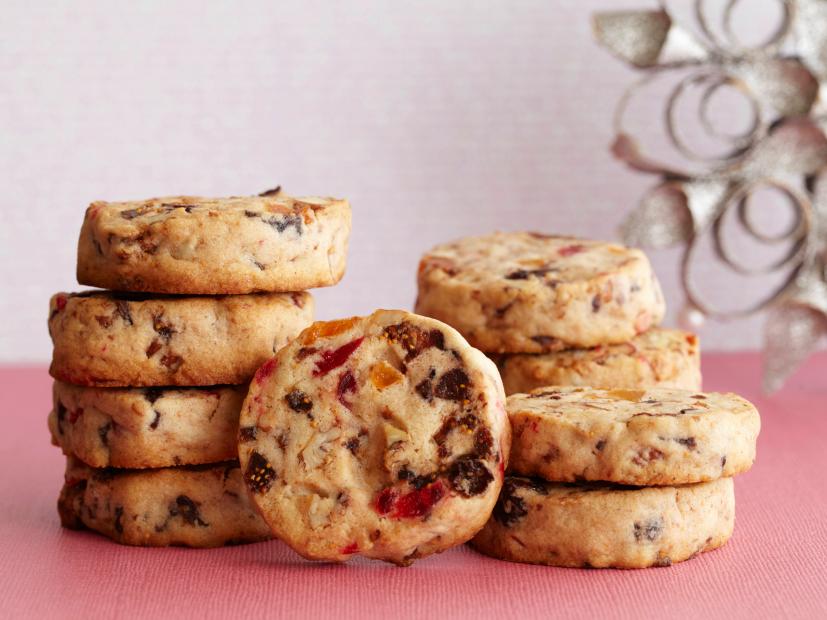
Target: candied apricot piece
[(326, 329), (383, 375), (630, 395)]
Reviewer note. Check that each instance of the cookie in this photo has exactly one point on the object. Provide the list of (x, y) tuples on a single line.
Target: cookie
[(602, 526), (198, 506), (213, 246), (383, 436), (534, 293), (655, 358), (110, 339), (639, 437), (151, 427)]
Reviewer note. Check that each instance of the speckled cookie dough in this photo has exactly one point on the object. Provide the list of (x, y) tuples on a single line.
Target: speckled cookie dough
[(212, 246), (655, 358), (198, 506), (640, 437), (602, 526), (383, 436), (534, 293), (149, 427), (109, 339)]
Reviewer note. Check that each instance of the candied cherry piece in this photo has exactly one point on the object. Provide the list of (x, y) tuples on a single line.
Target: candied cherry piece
[(334, 358), (350, 549), (416, 503), (266, 369), (571, 250)]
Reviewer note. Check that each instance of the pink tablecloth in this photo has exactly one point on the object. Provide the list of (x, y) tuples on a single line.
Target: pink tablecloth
[(774, 566)]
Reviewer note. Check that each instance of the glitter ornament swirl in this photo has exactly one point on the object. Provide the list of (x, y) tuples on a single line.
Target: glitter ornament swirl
[(781, 83)]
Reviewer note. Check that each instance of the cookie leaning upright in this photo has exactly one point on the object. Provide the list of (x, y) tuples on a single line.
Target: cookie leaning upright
[(193, 245), (384, 436), (534, 293)]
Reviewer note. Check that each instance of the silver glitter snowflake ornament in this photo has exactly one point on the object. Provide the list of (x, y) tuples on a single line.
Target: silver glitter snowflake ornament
[(783, 147)]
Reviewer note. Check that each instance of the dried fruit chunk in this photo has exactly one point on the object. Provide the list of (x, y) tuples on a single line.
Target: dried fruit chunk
[(259, 474), (469, 476), (299, 401), (413, 339), (571, 250), (453, 385), (326, 329), (630, 395), (187, 509), (402, 448), (347, 385), (510, 506), (383, 375), (266, 369), (416, 503), (333, 358)]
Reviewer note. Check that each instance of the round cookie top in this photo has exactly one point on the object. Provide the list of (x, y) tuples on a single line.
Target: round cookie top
[(528, 257), (277, 210), (383, 436), (527, 292), (197, 245), (640, 437)]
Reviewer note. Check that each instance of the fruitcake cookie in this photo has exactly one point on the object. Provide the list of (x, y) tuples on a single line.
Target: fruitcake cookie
[(151, 427), (383, 436), (534, 293), (655, 358), (113, 339), (640, 437), (196, 506), (192, 245), (602, 526)]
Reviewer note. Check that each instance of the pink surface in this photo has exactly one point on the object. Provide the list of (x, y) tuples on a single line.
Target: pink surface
[(773, 566)]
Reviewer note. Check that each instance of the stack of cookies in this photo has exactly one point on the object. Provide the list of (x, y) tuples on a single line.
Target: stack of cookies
[(150, 376), (558, 311), (620, 478), (636, 474)]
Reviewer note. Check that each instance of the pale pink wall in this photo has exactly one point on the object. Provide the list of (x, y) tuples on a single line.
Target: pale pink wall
[(436, 118)]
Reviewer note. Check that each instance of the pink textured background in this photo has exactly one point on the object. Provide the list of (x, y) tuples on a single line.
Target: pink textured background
[(773, 566)]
